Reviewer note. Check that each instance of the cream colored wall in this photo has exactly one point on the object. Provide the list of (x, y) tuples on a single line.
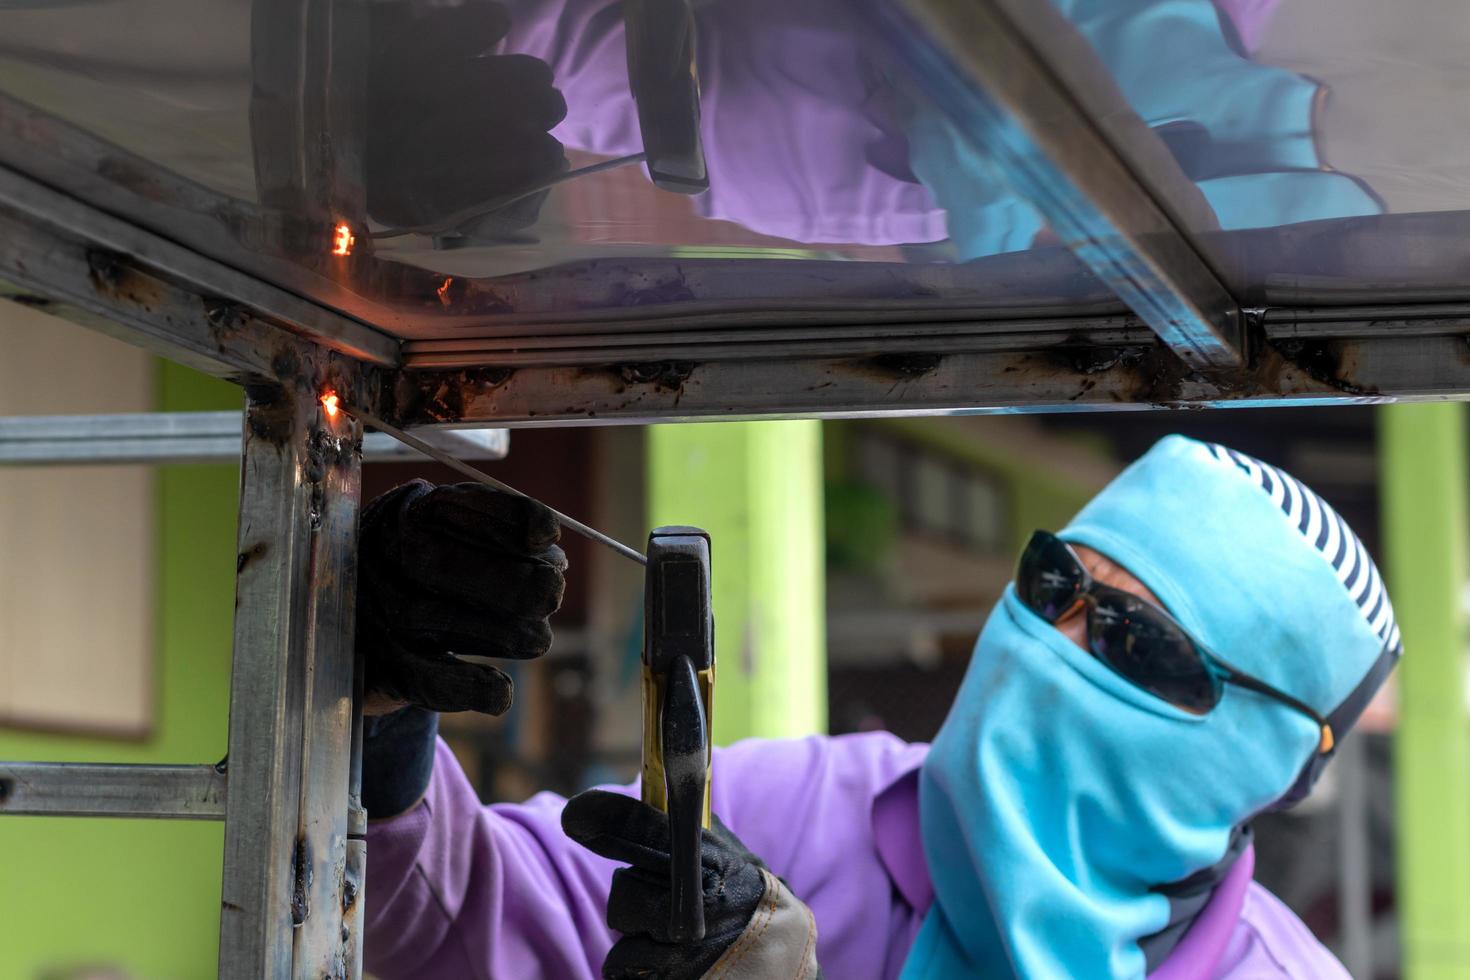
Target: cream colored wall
[(77, 563)]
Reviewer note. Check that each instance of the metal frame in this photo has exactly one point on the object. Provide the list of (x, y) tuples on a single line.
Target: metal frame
[(290, 790)]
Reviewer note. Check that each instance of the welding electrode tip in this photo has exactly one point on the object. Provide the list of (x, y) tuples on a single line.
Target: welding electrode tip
[(413, 442)]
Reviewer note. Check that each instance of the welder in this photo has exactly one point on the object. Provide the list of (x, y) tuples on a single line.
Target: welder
[(1185, 655)]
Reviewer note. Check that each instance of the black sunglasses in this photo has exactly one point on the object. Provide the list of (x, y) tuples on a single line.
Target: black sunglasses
[(1138, 640)]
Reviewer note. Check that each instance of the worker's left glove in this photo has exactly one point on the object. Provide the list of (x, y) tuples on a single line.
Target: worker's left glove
[(755, 928), (446, 571)]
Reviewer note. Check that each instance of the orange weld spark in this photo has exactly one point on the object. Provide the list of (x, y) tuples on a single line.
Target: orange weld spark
[(343, 240)]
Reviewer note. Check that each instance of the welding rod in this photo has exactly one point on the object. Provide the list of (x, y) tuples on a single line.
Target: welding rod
[(441, 456)]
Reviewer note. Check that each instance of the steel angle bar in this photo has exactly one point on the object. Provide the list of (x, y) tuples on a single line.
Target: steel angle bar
[(192, 437), (75, 261), (776, 343), (980, 66), (84, 790), (1079, 376), (1396, 321)]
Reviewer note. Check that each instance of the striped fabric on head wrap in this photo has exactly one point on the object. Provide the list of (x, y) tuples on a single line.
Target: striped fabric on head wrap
[(1330, 535)]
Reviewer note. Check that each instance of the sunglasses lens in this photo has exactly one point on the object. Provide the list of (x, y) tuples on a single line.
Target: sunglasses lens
[(1151, 651), (1048, 579)]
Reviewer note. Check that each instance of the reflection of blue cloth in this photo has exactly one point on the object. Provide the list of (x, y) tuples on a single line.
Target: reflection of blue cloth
[(1241, 129), (982, 215), (1058, 794)]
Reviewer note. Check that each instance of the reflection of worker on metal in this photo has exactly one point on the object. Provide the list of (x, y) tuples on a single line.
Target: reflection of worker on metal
[(454, 122), (1246, 134), (808, 138), (1084, 811)]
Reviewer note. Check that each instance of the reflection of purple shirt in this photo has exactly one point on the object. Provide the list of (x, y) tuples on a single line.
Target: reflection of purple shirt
[(457, 889), (790, 114), (1249, 18)]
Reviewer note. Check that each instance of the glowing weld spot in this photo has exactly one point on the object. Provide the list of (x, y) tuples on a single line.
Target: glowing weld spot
[(329, 402), (343, 240)]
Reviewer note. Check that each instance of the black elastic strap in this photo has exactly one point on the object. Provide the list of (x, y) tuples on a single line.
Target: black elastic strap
[(1341, 720), (1188, 898)]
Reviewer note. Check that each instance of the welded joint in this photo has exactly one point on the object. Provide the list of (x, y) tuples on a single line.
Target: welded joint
[(301, 879)]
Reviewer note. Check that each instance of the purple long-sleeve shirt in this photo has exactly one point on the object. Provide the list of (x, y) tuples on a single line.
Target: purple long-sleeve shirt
[(457, 889)]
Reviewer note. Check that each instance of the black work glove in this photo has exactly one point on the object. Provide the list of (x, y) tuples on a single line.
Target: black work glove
[(754, 926), (459, 569), (451, 124)]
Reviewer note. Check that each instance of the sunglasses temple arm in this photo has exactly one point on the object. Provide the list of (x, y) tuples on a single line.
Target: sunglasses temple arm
[(1242, 679)]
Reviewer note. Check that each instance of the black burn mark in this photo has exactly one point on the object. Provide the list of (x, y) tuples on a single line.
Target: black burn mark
[(32, 300), (437, 395), (442, 396), (663, 375), (288, 369), (903, 367), (349, 894), (465, 297), (1321, 360), (253, 553), (270, 416), (225, 318), (114, 277), (301, 875), (1084, 358), (1149, 375)]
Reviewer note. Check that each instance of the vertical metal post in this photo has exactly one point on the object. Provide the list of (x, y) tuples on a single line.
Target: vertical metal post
[(334, 473), (292, 712), (1422, 449), (1354, 861), (757, 488)]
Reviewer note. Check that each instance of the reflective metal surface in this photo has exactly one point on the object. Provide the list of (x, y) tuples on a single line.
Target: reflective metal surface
[(477, 170), (1327, 137), (406, 162)]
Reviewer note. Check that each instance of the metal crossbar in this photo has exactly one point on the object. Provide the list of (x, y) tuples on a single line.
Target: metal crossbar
[(72, 789), (193, 437)]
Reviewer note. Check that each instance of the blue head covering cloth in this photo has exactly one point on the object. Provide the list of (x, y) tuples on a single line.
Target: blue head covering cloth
[(1058, 795)]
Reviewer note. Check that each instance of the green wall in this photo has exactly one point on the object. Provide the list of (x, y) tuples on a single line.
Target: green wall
[(1422, 467), (140, 895), (756, 487)]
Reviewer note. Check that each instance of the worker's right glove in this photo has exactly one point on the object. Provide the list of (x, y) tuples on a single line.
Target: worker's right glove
[(459, 569), (755, 928)]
